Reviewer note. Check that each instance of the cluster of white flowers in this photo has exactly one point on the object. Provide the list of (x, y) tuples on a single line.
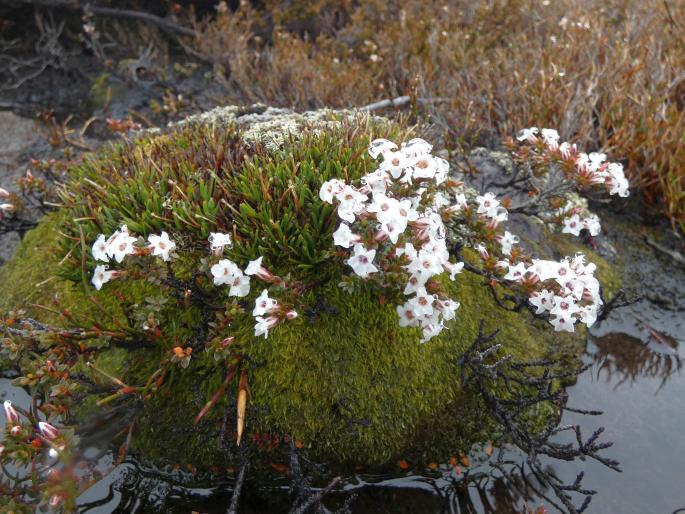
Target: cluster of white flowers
[(574, 224), (227, 272), (592, 168), (393, 231), (567, 290), (381, 223), (588, 170), (395, 220), (122, 243), (224, 272), (274, 312)]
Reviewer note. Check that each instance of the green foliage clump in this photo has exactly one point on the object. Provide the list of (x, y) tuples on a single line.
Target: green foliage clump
[(342, 377), (198, 179)]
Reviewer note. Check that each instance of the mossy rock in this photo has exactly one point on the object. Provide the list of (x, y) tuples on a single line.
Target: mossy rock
[(343, 378)]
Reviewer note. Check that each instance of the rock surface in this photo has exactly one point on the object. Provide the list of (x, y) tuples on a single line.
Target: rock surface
[(19, 136)]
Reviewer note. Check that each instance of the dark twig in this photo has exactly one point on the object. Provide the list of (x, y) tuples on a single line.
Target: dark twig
[(304, 498), (510, 390), (619, 300), (317, 497), (244, 465), (150, 19)]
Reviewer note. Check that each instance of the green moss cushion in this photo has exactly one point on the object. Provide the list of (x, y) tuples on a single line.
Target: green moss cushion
[(343, 378)]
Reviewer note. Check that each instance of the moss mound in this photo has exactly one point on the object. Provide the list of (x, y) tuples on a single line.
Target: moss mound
[(343, 377)]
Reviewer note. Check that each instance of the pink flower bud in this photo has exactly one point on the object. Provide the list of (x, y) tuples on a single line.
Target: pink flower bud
[(363, 215), (10, 413), (532, 279), (493, 223), (15, 431), (291, 314), (55, 500), (48, 431), (255, 268), (227, 341)]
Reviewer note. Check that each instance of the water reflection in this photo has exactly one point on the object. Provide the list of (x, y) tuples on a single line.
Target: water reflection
[(623, 359), (510, 489)]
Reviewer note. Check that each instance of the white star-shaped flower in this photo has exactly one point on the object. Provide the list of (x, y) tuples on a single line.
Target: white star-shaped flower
[(345, 237), (507, 241), (394, 163), (240, 286), (564, 306), (330, 189), (562, 323), (161, 245), (407, 316), (361, 261), (516, 272), (453, 269), (224, 271), (487, 205), (218, 240), (263, 304), (351, 202), (543, 301), (572, 225), (99, 249), (448, 308), (263, 325), (101, 276)]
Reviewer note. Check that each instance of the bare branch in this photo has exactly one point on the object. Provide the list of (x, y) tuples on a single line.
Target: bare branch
[(510, 390)]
